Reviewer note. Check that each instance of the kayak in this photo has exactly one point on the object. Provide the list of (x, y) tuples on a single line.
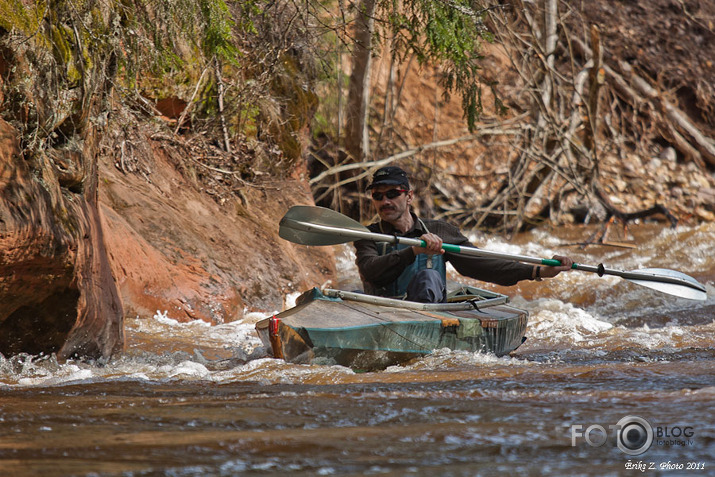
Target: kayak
[(367, 332)]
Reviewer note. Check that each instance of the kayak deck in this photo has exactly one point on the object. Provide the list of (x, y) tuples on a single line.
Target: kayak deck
[(365, 332)]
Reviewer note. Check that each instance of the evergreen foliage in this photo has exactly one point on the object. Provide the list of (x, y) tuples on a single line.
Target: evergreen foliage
[(447, 33)]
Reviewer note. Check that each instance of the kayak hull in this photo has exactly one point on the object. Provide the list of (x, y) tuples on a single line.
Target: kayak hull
[(350, 330)]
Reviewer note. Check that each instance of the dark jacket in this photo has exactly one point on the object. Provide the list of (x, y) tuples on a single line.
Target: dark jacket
[(378, 270)]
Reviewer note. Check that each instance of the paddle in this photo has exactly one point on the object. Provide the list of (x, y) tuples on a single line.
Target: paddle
[(307, 225)]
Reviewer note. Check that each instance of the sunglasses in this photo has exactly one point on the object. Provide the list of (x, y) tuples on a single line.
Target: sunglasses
[(390, 194)]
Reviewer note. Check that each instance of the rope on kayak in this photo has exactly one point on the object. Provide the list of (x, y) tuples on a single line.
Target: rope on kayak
[(411, 341)]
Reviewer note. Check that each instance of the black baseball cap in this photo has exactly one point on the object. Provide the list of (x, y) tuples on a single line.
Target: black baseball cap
[(390, 175)]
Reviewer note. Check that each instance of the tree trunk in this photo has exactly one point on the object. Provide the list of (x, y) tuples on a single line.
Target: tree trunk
[(356, 132)]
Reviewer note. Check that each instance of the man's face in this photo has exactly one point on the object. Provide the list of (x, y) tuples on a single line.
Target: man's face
[(391, 209)]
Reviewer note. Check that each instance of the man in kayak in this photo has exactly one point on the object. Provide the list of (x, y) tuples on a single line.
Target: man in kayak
[(419, 273)]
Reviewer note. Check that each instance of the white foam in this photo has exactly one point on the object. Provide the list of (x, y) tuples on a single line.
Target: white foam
[(48, 377), (185, 369), (554, 321), (445, 358), (539, 248), (290, 300), (345, 259)]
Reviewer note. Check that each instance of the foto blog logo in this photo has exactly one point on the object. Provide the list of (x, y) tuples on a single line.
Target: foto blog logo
[(633, 435)]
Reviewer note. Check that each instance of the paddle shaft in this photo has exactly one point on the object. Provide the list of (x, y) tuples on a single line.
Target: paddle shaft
[(353, 234)]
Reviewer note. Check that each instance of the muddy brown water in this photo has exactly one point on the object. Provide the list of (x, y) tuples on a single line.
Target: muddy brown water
[(602, 354)]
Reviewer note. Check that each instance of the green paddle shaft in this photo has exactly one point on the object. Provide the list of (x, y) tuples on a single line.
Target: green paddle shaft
[(475, 252), (447, 247)]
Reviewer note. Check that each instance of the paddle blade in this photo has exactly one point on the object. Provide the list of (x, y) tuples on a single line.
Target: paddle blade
[(302, 225), (669, 281)]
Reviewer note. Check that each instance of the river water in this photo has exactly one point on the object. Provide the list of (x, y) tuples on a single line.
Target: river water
[(191, 399)]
